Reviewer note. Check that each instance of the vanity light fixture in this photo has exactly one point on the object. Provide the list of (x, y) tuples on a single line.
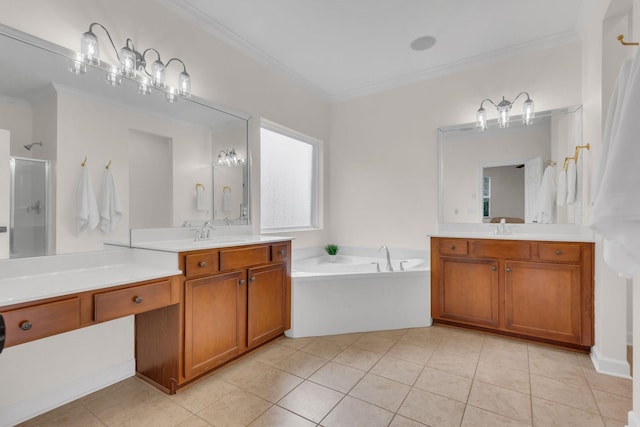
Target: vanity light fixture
[(229, 158), (503, 108), (132, 64)]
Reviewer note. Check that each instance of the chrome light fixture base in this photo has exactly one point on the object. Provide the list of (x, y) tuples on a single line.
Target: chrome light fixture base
[(503, 108), (132, 65)]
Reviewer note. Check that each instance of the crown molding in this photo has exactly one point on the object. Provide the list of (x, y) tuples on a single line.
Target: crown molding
[(215, 28)]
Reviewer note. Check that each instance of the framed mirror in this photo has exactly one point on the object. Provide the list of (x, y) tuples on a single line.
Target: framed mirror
[(164, 157), (495, 174)]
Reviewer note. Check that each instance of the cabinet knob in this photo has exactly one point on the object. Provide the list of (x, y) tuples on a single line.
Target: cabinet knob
[(202, 264), (558, 252), (281, 252), (242, 281), (26, 325), (253, 279), (508, 269), (137, 300), (452, 247), (494, 268)]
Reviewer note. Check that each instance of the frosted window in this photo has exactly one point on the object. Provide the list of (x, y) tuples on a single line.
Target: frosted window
[(287, 181)]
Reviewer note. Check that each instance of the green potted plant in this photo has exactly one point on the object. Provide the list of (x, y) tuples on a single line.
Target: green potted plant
[(332, 251)]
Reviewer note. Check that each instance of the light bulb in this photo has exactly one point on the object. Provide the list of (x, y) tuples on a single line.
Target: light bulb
[(127, 62), (184, 85), (89, 48), (481, 119), (528, 113), (157, 73)]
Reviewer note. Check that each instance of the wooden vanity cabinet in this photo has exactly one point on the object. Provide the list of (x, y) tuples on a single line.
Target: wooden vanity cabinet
[(530, 289), (234, 300)]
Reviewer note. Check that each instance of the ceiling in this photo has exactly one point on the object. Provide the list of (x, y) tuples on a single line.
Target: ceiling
[(348, 48)]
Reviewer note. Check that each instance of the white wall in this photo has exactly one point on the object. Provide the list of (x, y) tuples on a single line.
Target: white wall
[(384, 173)]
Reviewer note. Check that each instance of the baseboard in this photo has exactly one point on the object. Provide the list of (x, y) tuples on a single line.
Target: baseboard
[(22, 411), (614, 367), (633, 419)]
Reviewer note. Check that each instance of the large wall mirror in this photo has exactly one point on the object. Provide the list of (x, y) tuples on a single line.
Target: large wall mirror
[(172, 163), (495, 174)]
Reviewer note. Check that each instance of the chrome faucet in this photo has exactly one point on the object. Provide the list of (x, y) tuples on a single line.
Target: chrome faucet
[(389, 267), (204, 232)]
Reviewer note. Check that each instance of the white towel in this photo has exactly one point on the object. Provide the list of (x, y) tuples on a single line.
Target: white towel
[(87, 215), (616, 210), (612, 122), (110, 211), (561, 191), (545, 203), (201, 204), (226, 200), (571, 182)]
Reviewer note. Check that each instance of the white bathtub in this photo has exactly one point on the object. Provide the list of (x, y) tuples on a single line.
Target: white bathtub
[(349, 295)]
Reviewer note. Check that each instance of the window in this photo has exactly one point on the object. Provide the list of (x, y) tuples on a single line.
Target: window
[(486, 196), (288, 179)]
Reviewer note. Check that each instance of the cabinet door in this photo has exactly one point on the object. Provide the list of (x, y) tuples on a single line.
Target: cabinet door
[(266, 303), (215, 310), (469, 291), (543, 300)]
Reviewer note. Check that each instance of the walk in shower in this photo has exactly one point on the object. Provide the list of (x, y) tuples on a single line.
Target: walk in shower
[(29, 207)]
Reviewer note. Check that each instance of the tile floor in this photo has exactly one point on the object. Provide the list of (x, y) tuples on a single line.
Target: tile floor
[(434, 377)]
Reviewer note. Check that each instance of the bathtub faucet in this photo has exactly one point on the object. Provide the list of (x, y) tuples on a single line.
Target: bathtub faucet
[(389, 267)]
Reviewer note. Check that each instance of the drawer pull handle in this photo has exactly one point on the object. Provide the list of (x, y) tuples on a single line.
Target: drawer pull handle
[(202, 264), (253, 279), (558, 252), (26, 325), (508, 269), (494, 268), (242, 282), (281, 252), (137, 300), (452, 247)]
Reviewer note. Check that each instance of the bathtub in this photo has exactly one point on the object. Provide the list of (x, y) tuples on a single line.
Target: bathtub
[(348, 295)]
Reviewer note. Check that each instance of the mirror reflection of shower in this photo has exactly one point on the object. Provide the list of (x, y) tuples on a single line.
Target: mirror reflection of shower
[(28, 147), (29, 224)]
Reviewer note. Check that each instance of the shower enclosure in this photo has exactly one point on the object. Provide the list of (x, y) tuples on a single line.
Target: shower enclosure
[(29, 204)]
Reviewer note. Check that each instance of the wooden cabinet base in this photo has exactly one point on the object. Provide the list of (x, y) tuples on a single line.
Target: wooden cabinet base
[(535, 290), (524, 337), (232, 300)]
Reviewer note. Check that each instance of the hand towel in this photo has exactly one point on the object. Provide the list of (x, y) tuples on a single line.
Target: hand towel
[(87, 215), (571, 182), (226, 200), (616, 210), (561, 191), (110, 211), (546, 200), (201, 204)]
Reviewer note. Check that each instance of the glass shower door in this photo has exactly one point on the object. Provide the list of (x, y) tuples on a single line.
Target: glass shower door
[(29, 225)]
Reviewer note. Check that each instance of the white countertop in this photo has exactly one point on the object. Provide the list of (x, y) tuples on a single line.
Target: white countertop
[(186, 245), (540, 232), (32, 279)]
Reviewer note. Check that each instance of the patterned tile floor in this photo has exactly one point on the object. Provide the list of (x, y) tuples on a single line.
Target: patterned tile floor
[(435, 377)]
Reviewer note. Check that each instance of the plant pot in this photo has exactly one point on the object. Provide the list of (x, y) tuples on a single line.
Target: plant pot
[(332, 258)]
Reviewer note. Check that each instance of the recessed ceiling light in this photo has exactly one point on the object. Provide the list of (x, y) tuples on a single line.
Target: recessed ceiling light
[(423, 43)]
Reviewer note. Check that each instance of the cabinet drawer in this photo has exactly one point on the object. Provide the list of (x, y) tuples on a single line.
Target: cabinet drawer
[(561, 252), (201, 264), (454, 247), (35, 322), (279, 252), (502, 249), (138, 299), (231, 259)]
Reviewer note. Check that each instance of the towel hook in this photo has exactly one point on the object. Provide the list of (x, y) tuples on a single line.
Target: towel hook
[(226, 189), (84, 162), (624, 43), (108, 165), (199, 185)]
